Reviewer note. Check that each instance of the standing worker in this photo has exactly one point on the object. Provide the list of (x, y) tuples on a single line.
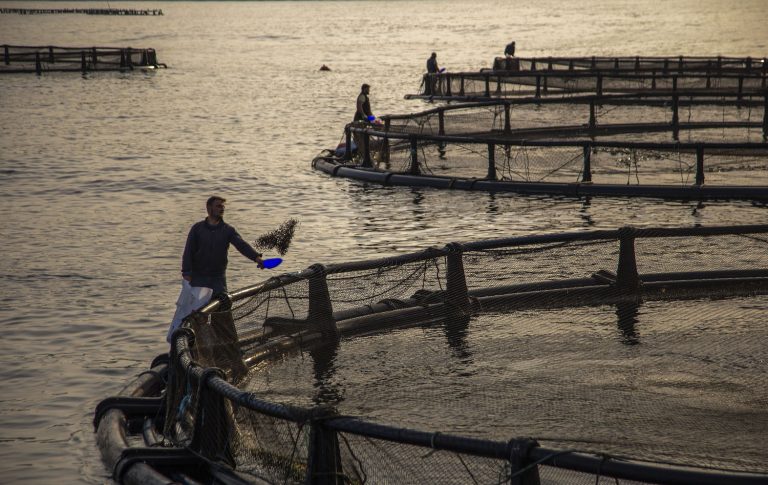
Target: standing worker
[(509, 51), (432, 71), (204, 263), (363, 106)]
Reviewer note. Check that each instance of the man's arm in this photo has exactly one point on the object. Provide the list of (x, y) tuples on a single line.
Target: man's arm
[(245, 248)]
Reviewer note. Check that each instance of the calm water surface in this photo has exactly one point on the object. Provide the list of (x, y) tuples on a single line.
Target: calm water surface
[(103, 174)]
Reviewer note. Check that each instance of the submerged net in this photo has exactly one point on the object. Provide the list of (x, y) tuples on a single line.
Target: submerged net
[(633, 344)]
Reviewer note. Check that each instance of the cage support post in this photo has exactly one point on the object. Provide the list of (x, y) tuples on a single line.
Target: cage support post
[(324, 460), (699, 164), (94, 57), (51, 59), (414, 169), (367, 150), (538, 86), (83, 63), (599, 90), (456, 283), (348, 143), (519, 451), (507, 120), (586, 175), (461, 87), (447, 78), (487, 86), (765, 117), (592, 118), (741, 87), (491, 162), (38, 66), (6, 56), (675, 115), (210, 438), (441, 122), (128, 58), (320, 311), (626, 273)]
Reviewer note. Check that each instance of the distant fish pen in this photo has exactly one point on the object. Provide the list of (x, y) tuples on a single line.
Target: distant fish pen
[(469, 86), (86, 11), (579, 357), (660, 64), (40, 59), (671, 146)]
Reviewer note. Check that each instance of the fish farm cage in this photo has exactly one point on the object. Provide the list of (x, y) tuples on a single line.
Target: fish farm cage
[(469, 86), (662, 64), (634, 355), (40, 59), (643, 144), (567, 76)]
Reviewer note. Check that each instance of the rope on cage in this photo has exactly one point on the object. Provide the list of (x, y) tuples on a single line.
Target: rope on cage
[(359, 470), (293, 450), (469, 472)]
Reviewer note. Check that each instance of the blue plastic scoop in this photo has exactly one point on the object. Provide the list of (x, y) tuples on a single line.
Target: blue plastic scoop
[(272, 263)]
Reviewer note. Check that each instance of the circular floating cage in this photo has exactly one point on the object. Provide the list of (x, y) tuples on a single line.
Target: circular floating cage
[(567, 76), (709, 145), (614, 356)]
